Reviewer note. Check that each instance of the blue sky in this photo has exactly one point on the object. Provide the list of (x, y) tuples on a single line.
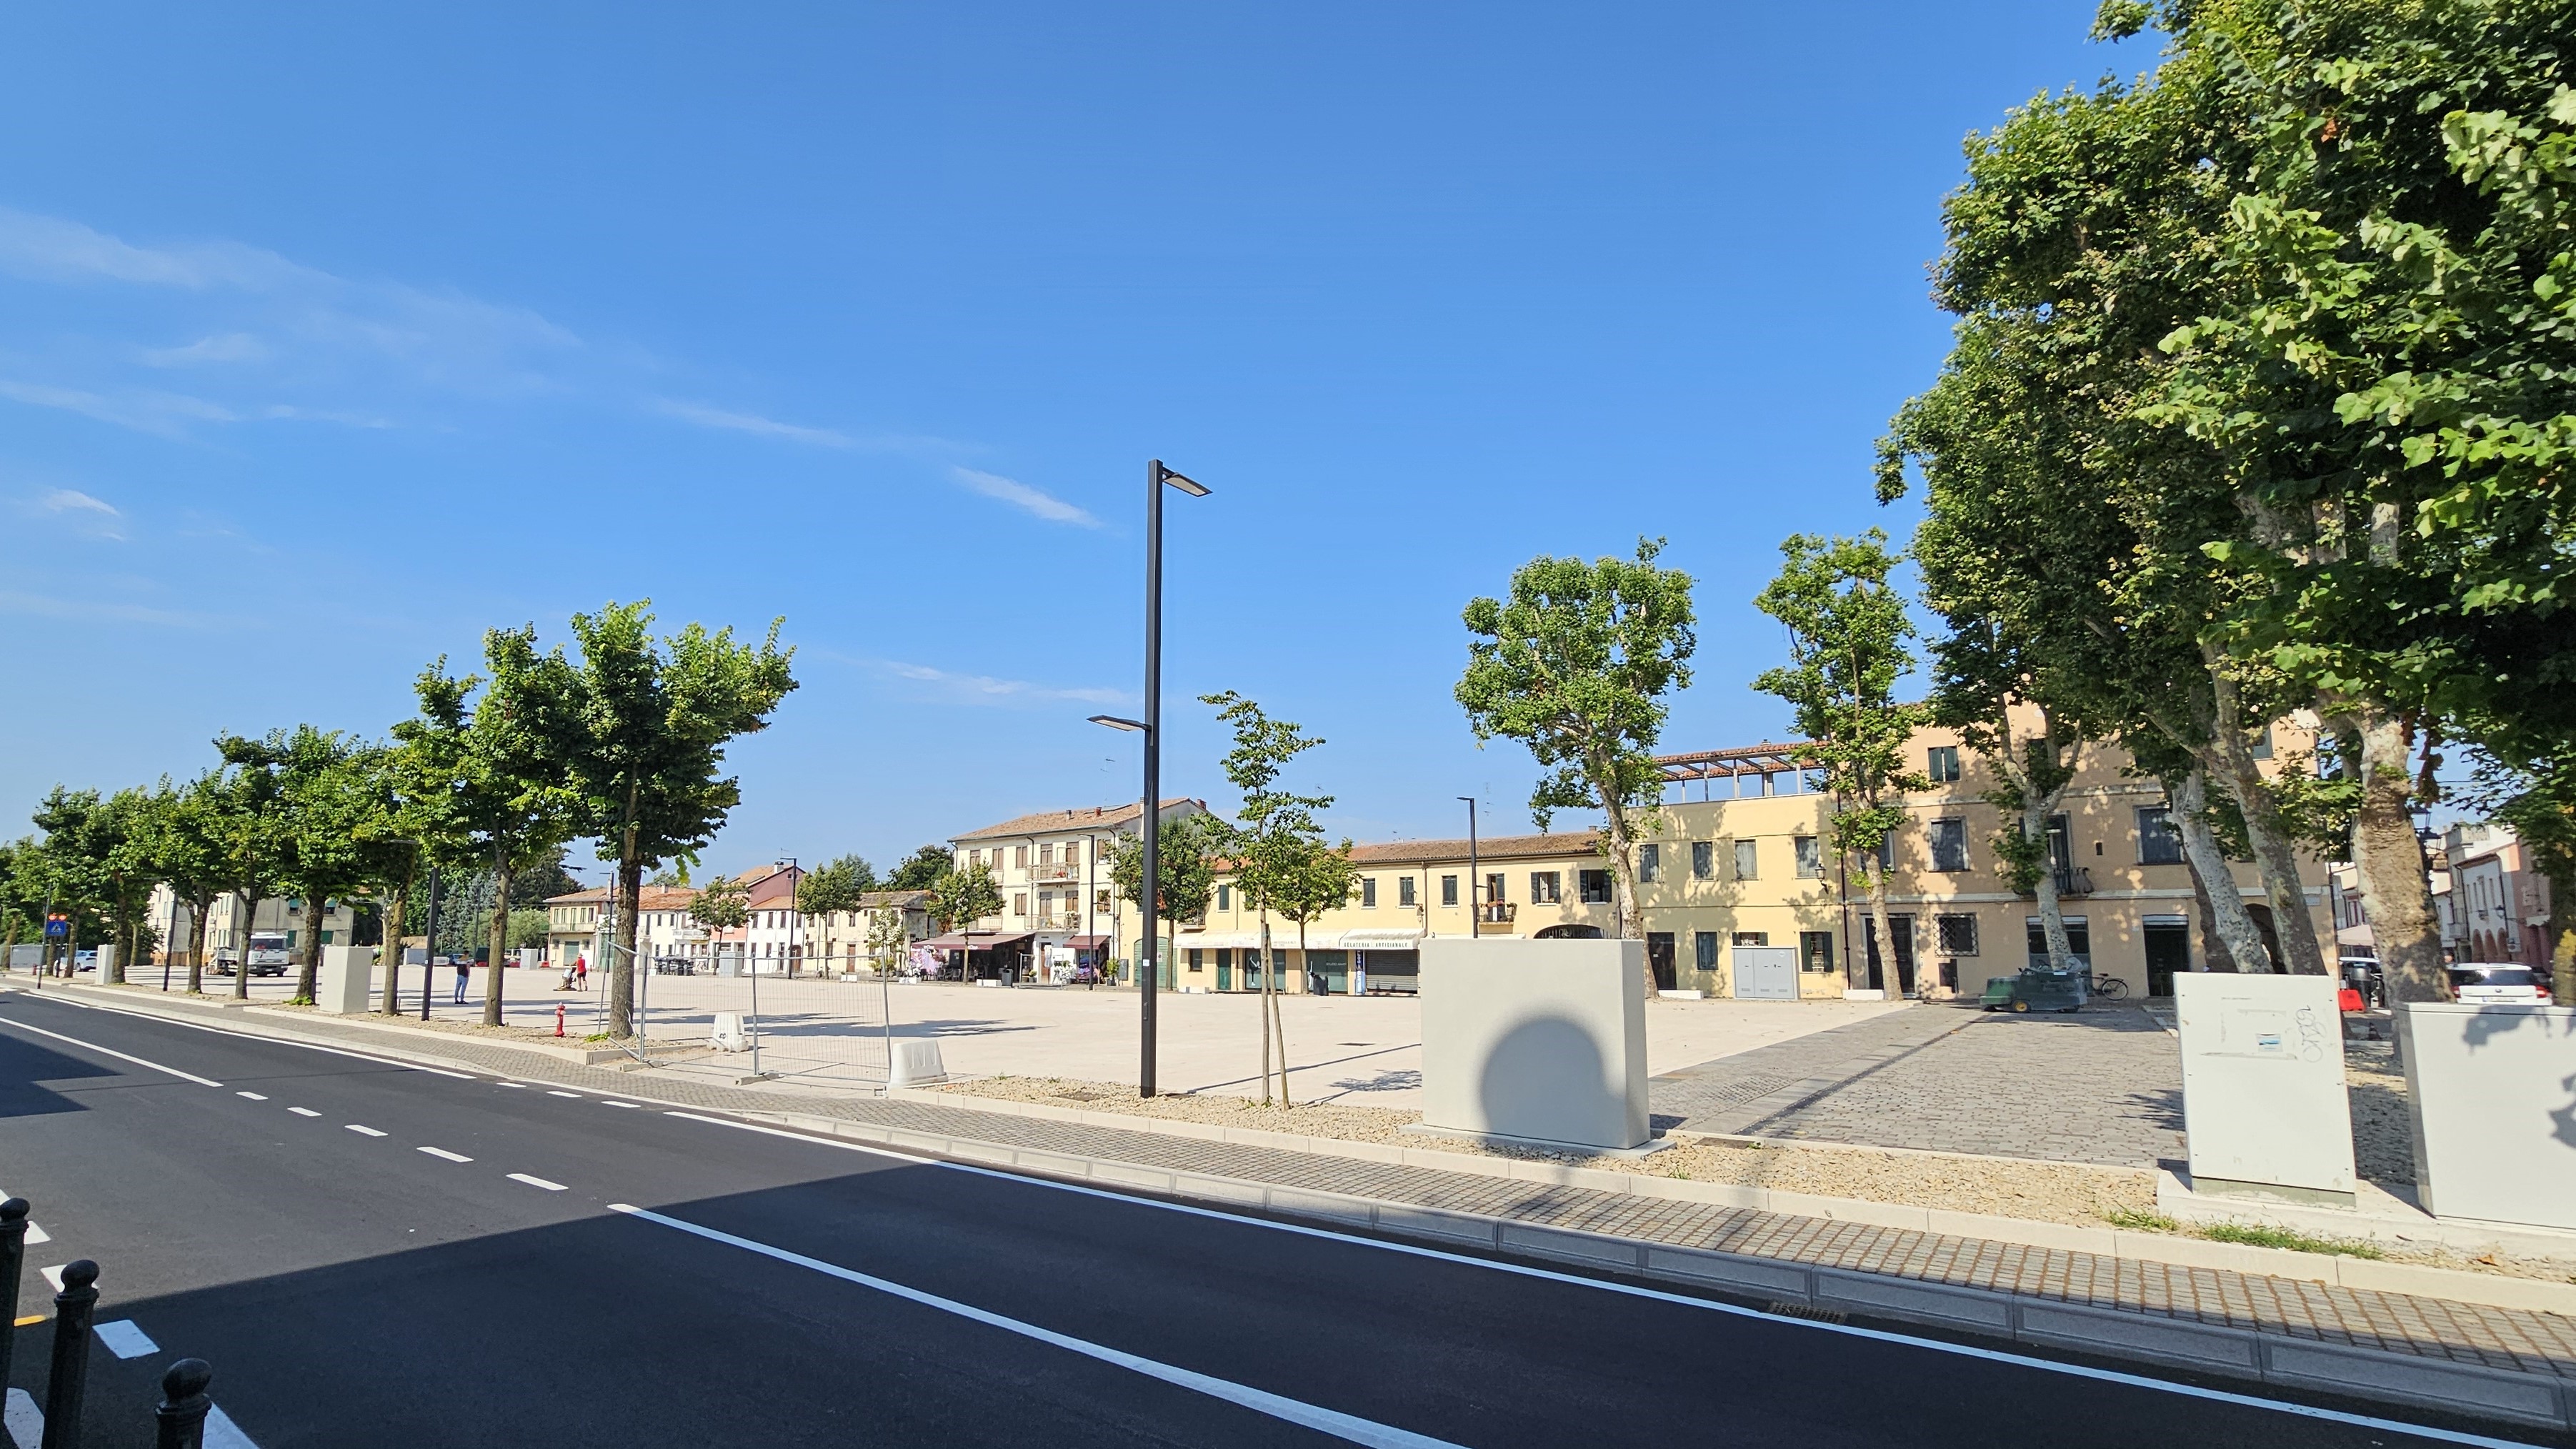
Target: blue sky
[(330, 336)]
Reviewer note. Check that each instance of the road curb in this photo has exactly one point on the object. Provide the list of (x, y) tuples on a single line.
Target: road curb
[(2537, 1400)]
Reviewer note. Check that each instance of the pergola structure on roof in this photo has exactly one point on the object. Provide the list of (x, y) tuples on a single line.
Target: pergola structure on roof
[(1730, 765)]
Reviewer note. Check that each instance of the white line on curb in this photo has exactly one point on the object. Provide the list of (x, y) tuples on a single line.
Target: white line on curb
[(364, 1131), (111, 1051), (536, 1182), (2084, 1371), (450, 1156), (1327, 1421)]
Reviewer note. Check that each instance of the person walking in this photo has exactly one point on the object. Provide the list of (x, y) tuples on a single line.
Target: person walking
[(581, 971), (464, 974)]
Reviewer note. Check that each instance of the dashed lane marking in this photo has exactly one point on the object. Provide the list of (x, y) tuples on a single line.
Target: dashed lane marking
[(551, 1092), (450, 1156), (112, 1052), (629, 1106), (364, 1131), (303, 1111), (536, 1182), (254, 1096)]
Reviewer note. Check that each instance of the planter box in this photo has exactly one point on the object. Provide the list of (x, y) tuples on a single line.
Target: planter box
[(2493, 1092)]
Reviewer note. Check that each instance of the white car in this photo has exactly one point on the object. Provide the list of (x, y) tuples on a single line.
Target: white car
[(2498, 985)]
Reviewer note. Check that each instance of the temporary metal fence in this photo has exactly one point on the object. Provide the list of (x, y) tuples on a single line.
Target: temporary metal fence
[(825, 1030)]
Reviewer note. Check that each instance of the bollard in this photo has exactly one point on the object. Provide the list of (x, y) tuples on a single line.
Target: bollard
[(558, 1018), (69, 1382), (13, 1261), (180, 1422)]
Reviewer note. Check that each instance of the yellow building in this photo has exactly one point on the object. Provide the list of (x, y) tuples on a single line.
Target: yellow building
[(1748, 864)]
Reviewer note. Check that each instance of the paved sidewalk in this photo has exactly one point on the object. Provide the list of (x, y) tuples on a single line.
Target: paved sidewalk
[(2495, 1337)]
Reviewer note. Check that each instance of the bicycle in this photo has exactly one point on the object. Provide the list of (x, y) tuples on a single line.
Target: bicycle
[(2110, 988)]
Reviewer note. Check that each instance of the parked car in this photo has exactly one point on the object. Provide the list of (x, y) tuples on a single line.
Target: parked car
[(2482, 985)]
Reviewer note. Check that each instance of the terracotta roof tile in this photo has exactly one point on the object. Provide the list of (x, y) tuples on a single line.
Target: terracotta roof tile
[(1087, 817)]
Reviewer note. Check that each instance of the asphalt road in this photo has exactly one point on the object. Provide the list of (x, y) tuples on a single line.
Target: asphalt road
[(371, 1253)]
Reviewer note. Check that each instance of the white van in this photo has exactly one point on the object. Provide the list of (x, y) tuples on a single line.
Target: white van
[(268, 953)]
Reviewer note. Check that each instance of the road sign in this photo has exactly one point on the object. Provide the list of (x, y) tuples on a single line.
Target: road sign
[(57, 927)]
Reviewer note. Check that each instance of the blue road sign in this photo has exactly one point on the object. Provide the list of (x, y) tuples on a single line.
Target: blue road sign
[(57, 927)]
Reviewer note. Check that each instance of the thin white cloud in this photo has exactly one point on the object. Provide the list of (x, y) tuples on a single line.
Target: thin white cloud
[(52, 249), (985, 689), (66, 500), (753, 423), (223, 347), (43, 606), (163, 413), (1021, 495)]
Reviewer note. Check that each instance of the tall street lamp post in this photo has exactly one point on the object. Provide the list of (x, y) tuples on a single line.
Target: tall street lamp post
[(1151, 727), (1475, 882)]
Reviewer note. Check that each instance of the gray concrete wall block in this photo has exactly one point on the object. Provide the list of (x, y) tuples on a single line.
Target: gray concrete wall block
[(1725, 1270), (1055, 1162), (2462, 1388), (1433, 1223), (1321, 1205), (2138, 1335), (1619, 1253), (1151, 1178), (1220, 1189), (1927, 1302)]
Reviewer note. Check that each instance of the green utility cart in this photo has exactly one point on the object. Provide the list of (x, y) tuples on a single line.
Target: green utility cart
[(2037, 988)]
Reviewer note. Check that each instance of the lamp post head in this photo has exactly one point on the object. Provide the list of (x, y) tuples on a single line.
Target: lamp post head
[(1133, 726), (1183, 482)]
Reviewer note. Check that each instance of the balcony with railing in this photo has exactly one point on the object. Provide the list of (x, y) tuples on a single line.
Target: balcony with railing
[(1055, 870), (2072, 880), (1497, 913)]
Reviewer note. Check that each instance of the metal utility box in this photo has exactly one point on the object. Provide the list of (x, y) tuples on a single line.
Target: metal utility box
[(1535, 1041), (2490, 1090), (1766, 973), (340, 983), (2264, 1103)]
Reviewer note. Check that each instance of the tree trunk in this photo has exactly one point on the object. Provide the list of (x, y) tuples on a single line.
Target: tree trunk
[(1265, 1008), (199, 912), (2230, 927), (241, 946), (1623, 885), (621, 949), (1874, 881), (397, 901), (1279, 1018), (307, 969), (2390, 862), (2274, 855), (500, 936)]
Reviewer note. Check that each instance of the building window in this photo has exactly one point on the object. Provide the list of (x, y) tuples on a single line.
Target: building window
[(1942, 764), (1494, 887), (1448, 890), (2159, 843), (1404, 890), (1225, 898), (1046, 853), (1753, 938), (2261, 743), (1703, 859), (2079, 939), (1650, 864), (1019, 903), (1704, 950), (1748, 860), (1950, 844), (1546, 888), (1816, 952), (1368, 892), (1594, 886), (1196, 964), (1020, 856), (1100, 902), (1957, 934)]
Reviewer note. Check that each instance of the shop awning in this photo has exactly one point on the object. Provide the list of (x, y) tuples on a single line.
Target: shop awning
[(1088, 943), (981, 942), (1381, 938)]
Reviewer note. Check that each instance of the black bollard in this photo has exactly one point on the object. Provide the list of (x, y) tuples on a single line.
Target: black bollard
[(180, 1422), (13, 1261), (69, 1382)]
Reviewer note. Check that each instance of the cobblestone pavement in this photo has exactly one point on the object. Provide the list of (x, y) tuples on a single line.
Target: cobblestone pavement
[(2103, 1085), (2466, 1333)]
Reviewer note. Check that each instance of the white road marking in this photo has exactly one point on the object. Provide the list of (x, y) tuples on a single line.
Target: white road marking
[(125, 1340), (222, 1432), (254, 1096), (303, 1111), (364, 1131), (25, 1422), (111, 1051), (169, 1020), (450, 1156), (36, 1234), (630, 1106), (1348, 1427), (553, 1093), (54, 1275), (522, 1086), (1522, 1270), (536, 1182)]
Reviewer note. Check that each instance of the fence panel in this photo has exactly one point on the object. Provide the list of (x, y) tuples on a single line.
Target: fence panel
[(820, 1030)]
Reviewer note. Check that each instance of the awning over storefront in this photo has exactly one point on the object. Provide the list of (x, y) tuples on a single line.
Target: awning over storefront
[(1381, 938), (981, 942), (1088, 943)]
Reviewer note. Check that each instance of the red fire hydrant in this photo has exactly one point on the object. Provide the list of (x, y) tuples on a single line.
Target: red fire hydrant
[(558, 1018)]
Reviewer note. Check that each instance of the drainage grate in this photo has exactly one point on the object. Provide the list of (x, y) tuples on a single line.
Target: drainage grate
[(1787, 1309)]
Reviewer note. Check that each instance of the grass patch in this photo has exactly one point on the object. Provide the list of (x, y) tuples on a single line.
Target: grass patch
[(2141, 1222), (2255, 1235)]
